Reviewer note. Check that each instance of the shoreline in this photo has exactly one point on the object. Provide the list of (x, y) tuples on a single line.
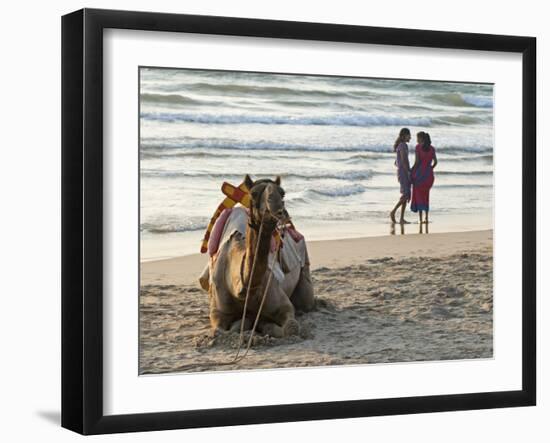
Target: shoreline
[(162, 246), (186, 269)]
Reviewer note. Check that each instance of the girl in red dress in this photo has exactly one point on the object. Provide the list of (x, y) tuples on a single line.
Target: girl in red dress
[(422, 175)]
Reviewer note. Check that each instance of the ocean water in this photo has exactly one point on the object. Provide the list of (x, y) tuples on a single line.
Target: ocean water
[(330, 138)]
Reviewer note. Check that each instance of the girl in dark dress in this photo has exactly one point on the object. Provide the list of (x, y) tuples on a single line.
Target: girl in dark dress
[(403, 173)]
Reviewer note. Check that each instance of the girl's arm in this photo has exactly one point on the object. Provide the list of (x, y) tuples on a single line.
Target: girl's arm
[(415, 160), (435, 160), (404, 159)]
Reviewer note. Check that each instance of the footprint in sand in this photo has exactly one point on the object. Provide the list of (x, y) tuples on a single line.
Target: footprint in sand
[(439, 311)]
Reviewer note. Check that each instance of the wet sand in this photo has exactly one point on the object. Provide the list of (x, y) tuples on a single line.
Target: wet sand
[(383, 299)]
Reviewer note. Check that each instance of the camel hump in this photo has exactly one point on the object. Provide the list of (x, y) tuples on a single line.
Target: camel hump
[(231, 220)]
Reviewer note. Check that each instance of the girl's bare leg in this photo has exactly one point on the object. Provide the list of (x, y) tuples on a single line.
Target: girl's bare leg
[(420, 217), (402, 219), (394, 210), (426, 217)]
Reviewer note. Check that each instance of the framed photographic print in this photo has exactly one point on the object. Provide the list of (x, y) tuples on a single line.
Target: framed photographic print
[(269, 221)]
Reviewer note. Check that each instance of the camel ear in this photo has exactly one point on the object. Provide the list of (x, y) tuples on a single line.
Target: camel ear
[(248, 182), (278, 180)]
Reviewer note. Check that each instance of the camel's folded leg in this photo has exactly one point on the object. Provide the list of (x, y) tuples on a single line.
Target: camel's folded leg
[(222, 312), (236, 326), (220, 321), (269, 328), (290, 327), (278, 315), (204, 278), (302, 298)]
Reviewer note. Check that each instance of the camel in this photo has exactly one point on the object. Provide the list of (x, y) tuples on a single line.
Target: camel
[(232, 270)]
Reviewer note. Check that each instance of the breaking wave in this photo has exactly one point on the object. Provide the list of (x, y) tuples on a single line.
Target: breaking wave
[(332, 120)]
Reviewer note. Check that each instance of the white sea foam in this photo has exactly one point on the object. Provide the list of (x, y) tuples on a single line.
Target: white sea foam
[(321, 120), (201, 148), (331, 139)]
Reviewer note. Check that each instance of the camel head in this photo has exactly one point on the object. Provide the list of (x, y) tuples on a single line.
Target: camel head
[(267, 199)]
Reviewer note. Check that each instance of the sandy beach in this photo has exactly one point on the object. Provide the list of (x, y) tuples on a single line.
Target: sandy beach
[(395, 298)]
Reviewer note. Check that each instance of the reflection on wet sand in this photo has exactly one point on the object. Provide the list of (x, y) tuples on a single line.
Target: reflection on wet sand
[(423, 228)]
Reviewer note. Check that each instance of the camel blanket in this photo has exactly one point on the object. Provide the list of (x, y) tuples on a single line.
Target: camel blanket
[(293, 254)]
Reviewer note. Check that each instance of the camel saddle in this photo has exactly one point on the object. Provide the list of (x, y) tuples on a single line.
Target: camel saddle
[(292, 251)]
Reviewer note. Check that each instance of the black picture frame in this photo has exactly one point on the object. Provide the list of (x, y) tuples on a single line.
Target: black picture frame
[(82, 219)]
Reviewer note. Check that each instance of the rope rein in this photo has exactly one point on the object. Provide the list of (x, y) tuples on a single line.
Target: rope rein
[(241, 334), (238, 358)]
